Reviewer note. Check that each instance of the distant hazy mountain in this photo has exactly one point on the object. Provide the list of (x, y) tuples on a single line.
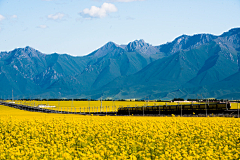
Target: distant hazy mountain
[(186, 67)]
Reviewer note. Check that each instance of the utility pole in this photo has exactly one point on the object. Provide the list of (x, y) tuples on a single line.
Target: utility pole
[(112, 105), (159, 110), (143, 110), (72, 103), (128, 110), (148, 100), (181, 109), (206, 107), (101, 105), (226, 105), (178, 107), (59, 99), (12, 95), (89, 106), (238, 111)]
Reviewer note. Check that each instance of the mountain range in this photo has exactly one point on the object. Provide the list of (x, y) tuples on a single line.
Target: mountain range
[(188, 67)]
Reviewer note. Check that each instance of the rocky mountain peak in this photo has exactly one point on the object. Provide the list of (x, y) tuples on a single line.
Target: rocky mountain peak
[(231, 32), (138, 45), (185, 42), (109, 47), (27, 52), (110, 44), (181, 38), (230, 40)]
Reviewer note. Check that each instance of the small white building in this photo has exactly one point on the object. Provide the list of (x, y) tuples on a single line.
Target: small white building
[(45, 106), (11, 102)]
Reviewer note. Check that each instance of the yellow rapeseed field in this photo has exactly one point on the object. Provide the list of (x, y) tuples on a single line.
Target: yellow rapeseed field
[(93, 106), (27, 135), (235, 106)]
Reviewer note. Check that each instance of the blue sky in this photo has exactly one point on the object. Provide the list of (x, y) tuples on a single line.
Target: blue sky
[(78, 27)]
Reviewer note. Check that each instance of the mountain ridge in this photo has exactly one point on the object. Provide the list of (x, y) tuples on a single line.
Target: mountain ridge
[(187, 66)]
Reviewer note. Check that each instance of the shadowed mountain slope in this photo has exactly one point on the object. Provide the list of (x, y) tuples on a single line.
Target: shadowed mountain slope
[(189, 65)]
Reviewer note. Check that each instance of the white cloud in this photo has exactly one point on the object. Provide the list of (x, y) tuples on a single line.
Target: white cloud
[(1, 17), (57, 16), (14, 16), (101, 12), (42, 26)]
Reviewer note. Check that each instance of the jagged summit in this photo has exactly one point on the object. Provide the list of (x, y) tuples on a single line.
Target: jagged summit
[(110, 44), (140, 45), (231, 32), (109, 47), (27, 51), (186, 42)]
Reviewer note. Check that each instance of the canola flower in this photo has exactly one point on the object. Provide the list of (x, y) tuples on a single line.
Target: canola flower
[(53, 136)]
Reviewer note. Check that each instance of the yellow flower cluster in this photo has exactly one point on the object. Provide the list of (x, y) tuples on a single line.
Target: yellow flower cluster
[(52, 136)]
